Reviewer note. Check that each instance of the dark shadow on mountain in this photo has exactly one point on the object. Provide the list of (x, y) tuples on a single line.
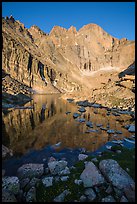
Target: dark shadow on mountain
[(129, 71)]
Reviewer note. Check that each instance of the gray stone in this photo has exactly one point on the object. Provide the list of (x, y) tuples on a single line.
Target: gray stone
[(129, 193), (7, 196), (75, 115), (89, 124), (31, 195), (131, 128), (81, 120), (64, 178), (30, 171), (61, 197), (108, 199), (65, 171), (94, 159), (91, 176), (56, 166), (82, 198), (82, 109), (6, 152), (47, 181), (109, 189), (24, 182), (11, 183), (89, 192), (78, 182), (115, 174), (33, 182), (110, 131), (82, 156), (123, 199)]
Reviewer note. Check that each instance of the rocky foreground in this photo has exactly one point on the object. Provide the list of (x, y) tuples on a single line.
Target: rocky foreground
[(92, 179)]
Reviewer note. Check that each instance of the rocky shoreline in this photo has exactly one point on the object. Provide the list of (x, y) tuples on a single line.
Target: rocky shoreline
[(97, 179)]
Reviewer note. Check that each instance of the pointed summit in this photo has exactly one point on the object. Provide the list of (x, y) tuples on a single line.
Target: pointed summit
[(72, 29)]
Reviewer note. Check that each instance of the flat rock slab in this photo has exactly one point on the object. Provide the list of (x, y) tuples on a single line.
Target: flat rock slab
[(11, 183), (91, 176), (115, 174), (30, 170)]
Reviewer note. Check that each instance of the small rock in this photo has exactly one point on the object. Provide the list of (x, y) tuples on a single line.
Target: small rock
[(89, 124), (82, 109), (82, 198), (64, 178), (94, 159), (78, 182), (65, 171), (129, 193), (61, 197), (131, 128), (47, 181), (109, 189), (51, 159), (108, 199), (118, 151), (75, 115), (118, 132), (7, 196), (89, 192), (56, 166), (31, 195), (82, 156), (123, 199), (11, 183), (24, 182), (110, 131)]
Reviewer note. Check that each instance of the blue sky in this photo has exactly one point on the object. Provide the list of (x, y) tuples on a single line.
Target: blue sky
[(116, 18)]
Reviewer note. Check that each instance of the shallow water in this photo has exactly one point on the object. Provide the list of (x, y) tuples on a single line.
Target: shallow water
[(31, 131)]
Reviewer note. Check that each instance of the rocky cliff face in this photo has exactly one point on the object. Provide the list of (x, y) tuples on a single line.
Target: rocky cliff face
[(63, 60)]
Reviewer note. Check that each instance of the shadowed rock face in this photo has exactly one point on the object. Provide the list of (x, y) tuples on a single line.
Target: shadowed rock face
[(63, 60)]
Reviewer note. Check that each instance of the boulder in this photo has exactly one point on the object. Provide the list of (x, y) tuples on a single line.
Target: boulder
[(64, 178), (131, 128), (115, 174), (47, 181), (31, 195), (89, 192), (91, 175), (30, 170), (60, 198), (56, 166), (65, 171), (78, 182), (82, 156), (11, 183), (7, 196)]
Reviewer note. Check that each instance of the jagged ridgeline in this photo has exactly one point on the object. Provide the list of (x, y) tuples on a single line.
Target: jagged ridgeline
[(62, 60)]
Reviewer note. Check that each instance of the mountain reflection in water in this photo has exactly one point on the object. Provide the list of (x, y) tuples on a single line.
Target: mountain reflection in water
[(47, 124)]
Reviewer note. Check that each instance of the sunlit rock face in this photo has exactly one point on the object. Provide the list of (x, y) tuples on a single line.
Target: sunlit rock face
[(62, 60)]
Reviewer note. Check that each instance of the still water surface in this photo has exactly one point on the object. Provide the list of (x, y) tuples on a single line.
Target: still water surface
[(47, 123)]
